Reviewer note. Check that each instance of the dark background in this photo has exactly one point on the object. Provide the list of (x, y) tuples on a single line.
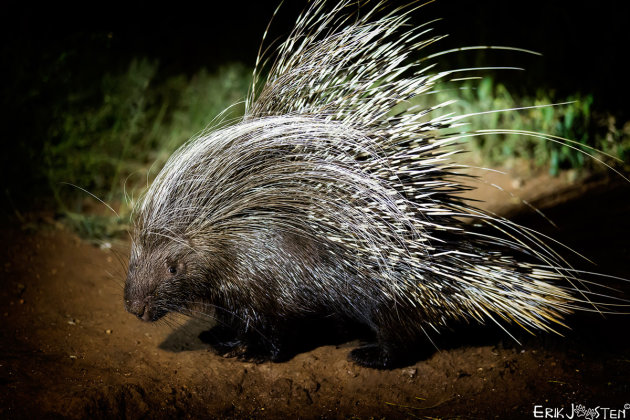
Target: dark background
[(51, 49), (584, 43)]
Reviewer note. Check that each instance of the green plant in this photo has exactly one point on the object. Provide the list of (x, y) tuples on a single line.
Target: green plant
[(110, 142), (501, 126)]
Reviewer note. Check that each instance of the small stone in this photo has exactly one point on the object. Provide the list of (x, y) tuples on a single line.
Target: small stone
[(108, 331)]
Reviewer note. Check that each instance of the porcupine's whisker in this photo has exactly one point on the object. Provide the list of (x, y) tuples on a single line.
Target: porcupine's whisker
[(93, 196)]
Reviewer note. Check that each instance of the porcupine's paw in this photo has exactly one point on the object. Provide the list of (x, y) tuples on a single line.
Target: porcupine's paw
[(373, 356), (254, 353), (257, 351), (245, 349), (224, 341), (240, 349)]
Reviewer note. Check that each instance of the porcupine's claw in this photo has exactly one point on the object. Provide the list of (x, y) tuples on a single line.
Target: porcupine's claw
[(376, 356), (223, 340), (245, 351), (227, 342)]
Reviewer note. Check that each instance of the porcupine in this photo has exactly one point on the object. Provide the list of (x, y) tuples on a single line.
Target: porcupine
[(323, 202)]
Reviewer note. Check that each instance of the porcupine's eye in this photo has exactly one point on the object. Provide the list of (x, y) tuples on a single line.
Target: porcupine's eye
[(172, 269)]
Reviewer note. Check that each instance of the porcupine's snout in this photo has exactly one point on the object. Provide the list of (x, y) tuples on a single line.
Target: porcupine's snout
[(141, 298), (144, 308), (140, 308)]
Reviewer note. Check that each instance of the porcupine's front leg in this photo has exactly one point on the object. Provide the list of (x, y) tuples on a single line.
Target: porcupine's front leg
[(387, 352), (223, 339), (377, 355), (265, 342), (252, 343)]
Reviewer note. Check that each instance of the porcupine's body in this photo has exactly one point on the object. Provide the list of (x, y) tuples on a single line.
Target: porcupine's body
[(321, 203)]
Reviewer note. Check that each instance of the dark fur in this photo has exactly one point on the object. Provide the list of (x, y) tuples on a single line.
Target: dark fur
[(255, 307)]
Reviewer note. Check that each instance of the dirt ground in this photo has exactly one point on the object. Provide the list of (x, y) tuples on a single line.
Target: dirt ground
[(69, 350)]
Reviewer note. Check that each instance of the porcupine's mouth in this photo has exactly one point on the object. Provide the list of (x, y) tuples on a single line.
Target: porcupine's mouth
[(153, 315), (144, 310)]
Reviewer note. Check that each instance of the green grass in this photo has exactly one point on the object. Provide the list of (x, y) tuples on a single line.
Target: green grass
[(586, 132), (111, 141)]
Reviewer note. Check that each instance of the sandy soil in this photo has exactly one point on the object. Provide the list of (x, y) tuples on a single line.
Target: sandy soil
[(68, 348)]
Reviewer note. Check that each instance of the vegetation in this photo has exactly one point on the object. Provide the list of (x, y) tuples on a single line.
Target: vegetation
[(112, 141), (579, 130), (113, 145)]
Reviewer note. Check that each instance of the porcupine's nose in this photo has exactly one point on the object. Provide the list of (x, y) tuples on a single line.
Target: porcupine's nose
[(138, 308)]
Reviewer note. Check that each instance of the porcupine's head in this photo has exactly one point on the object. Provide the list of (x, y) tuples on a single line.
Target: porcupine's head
[(174, 255), (151, 269), (163, 276)]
